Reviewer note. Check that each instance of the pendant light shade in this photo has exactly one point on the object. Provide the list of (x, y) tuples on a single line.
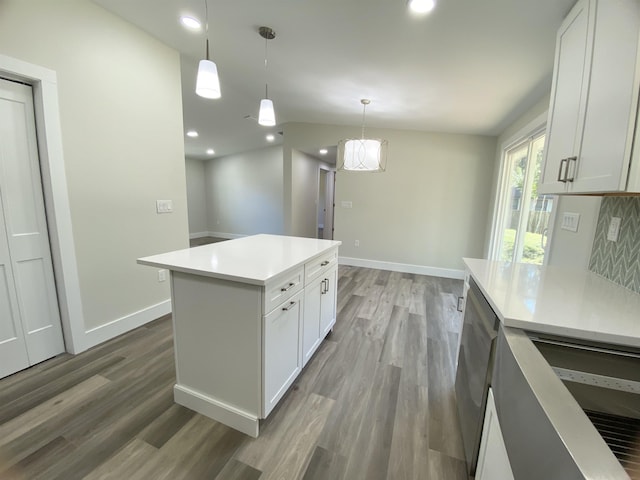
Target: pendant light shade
[(362, 154), (207, 83), (267, 115)]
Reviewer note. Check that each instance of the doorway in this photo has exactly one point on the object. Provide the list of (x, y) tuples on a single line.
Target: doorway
[(326, 189), (521, 227), (30, 327)]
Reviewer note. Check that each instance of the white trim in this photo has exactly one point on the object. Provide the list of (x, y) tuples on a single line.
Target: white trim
[(226, 235), (54, 183), (110, 330), (217, 410), (216, 234), (198, 235), (403, 267), (537, 125)]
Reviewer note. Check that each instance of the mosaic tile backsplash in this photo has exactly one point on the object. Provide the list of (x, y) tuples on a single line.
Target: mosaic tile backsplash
[(618, 261)]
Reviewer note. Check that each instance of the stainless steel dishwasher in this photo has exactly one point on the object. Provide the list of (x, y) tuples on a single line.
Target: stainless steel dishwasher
[(475, 363)]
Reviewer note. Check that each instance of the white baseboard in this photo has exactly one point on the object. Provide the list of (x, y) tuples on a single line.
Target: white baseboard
[(217, 410), (198, 235), (403, 267), (100, 334), (225, 235)]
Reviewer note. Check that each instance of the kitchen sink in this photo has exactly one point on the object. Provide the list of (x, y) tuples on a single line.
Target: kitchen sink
[(605, 382)]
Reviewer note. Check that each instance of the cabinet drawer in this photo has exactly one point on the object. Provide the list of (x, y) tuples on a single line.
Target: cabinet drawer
[(319, 265), (282, 288)]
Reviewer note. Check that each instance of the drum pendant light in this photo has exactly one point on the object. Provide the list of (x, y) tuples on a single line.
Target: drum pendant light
[(362, 154), (207, 82), (266, 115)]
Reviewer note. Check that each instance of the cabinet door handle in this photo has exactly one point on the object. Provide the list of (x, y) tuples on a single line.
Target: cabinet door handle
[(288, 307), (284, 289), (573, 172), (460, 304), (325, 286), (562, 178), (325, 263)]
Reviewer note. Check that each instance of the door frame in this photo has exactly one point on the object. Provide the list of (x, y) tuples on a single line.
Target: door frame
[(329, 199), (56, 197), (534, 127)]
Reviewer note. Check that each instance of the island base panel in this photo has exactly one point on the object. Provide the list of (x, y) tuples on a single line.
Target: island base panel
[(227, 414)]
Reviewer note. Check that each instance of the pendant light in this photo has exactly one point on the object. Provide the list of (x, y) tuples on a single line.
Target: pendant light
[(207, 82), (362, 154), (266, 115)]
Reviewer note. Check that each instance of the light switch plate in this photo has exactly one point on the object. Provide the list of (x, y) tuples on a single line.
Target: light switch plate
[(614, 229), (570, 221), (164, 206), (346, 204)]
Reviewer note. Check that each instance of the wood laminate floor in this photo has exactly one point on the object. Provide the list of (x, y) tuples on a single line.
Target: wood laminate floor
[(375, 402)]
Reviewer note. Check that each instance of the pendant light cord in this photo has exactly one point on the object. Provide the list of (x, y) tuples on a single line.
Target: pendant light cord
[(206, 27), (364, 109), (266, 71)]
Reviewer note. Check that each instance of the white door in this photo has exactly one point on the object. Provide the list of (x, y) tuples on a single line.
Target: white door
[(30, 329)]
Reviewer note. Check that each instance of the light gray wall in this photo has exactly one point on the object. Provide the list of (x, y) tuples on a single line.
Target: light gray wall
[(573, 249), (244, 193), (121, 120), (428, 209), (196, 197)]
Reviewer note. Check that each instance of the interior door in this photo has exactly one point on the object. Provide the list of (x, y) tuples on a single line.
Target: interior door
[(32, 317), (13, 349)]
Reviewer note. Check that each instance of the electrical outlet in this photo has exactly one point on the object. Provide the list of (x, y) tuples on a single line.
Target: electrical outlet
[(162, 275), (614, 229), (356, 243), (346, 204)]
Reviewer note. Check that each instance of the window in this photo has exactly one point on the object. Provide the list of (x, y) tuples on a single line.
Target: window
[(521, 223)]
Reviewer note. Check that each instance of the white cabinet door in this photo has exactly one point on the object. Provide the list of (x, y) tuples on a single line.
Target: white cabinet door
[(319, 311), (282, 361), (311, 319), (328, 302), (493, 462), (594, 100), (568, 96), (605, 153)]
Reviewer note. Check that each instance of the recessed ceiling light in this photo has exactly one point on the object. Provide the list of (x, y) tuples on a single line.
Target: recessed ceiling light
[(421, 6), (270, 138), (323, 151), (190, 22), (192, 134), (210, 151)]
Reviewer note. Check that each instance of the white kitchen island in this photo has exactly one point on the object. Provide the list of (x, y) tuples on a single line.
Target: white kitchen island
[(247, 315)]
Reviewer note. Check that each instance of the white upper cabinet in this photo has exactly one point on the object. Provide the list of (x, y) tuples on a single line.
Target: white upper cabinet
[(594, 100)]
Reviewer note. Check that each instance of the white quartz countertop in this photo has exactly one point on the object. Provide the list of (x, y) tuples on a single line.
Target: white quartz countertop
[(255, 259), (559, 301)]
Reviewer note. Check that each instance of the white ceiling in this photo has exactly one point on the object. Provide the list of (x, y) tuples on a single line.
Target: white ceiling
[(471, 66)]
